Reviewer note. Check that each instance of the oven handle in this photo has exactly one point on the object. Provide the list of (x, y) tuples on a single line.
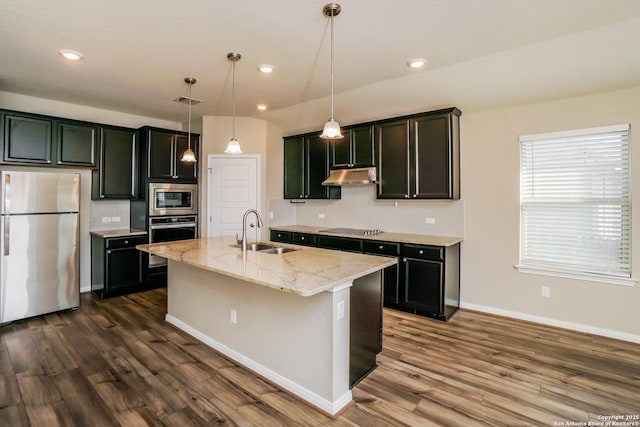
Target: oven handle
[(176, 225)]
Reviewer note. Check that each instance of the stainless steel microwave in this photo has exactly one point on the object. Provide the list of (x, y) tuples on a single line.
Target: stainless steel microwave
[(172, 199)]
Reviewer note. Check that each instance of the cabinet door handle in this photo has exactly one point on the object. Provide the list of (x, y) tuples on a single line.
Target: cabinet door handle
[(421, 252), (380, 247), (126, 242), (414, 195), (406, 196), (302, 238)]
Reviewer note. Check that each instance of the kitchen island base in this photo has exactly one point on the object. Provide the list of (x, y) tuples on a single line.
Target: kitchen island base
[(299, 343)]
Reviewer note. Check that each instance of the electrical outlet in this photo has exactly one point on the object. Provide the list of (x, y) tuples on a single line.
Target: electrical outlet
[(430, 220), (233, 316), (270, 215), (321, 215), (106, 219), (115, 219), (546, 292)]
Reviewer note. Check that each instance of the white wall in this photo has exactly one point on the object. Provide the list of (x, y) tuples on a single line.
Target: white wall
[(490, 188), (255, 137)]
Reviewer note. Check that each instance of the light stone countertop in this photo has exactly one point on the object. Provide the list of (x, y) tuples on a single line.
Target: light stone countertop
[(305, 272), (418, 239), (121, 232)]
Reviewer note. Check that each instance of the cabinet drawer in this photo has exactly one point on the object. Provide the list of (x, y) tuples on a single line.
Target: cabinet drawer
[(304, 239), (382, 248), (125, 242), (340, 243), (280, 236), (434, 253)]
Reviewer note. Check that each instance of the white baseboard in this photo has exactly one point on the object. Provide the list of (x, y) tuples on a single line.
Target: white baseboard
[(553, 322), (303, 393)]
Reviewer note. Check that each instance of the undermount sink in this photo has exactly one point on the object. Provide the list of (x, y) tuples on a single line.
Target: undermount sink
[(266, 248), (278, 250)]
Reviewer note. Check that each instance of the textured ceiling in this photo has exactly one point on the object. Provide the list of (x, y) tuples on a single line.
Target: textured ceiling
[(480, 52)]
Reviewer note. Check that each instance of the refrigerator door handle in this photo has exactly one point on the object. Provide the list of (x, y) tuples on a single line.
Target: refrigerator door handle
[(7, 211), (7, 223), (7, 194)]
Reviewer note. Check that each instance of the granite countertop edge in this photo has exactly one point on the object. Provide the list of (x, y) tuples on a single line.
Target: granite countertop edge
[(122, 232), (305, 272)]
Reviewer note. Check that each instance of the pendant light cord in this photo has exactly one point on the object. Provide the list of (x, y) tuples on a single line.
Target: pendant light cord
[(233, 96), (189, 126), (332, 64)]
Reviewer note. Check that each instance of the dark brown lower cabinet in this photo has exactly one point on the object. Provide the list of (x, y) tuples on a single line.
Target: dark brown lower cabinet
[(426, 280), (430, 280), (390, 275), (116, 265)]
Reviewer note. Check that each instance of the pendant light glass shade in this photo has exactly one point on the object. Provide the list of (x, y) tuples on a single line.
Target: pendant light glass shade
[(189, 156), (233, 146), (331, 129)]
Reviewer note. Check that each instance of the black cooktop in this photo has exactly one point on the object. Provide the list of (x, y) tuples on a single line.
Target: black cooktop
[(352, 231)]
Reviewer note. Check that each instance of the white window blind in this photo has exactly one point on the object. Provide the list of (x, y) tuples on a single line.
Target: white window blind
[(575, 203)]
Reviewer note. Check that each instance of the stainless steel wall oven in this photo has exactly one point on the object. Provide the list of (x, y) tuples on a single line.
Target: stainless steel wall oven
[(168, 229)]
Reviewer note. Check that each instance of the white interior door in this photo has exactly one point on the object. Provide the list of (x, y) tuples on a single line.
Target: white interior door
[(233, 188)]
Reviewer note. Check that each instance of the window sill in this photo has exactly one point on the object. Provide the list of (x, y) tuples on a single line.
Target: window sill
[(614, 280)]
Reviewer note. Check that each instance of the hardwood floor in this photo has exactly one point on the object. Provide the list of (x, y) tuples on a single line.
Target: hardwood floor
[(116, 362)]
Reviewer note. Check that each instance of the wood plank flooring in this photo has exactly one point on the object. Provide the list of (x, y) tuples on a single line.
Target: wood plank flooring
[(116, 362)]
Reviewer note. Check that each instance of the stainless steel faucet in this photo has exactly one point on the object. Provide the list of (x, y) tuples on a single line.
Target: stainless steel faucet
[(244, 227)]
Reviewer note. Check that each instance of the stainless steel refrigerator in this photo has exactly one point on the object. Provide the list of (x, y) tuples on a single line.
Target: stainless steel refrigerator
[(39, 243)]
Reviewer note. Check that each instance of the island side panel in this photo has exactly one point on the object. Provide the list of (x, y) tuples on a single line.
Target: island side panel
[(365, 325), (297, 342)]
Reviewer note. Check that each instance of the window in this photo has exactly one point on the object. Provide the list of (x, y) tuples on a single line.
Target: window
[(575, 204)]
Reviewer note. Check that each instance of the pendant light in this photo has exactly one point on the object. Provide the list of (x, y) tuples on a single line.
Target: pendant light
[(331, 129), (189, 156), (233, 146)]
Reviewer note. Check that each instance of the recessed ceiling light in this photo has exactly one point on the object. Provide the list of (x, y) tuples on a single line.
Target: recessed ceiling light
[(266, 68), (416, 63), (262, 107), (71, 55)]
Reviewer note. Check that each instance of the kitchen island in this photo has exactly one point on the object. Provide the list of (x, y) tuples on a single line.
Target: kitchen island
[(288, 317)]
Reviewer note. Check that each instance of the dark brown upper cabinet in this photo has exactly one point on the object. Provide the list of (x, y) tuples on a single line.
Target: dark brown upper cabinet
[(27, 139), (418, 157), (392, 152), (77, 144), (355, 150), (306, 165), (32, 139), (117, 174), (163, 150)]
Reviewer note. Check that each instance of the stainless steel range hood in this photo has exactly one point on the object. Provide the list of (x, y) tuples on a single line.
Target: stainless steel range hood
[(359, 176)]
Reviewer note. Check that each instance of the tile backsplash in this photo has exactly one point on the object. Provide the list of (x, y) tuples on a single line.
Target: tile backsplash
[(359, 208), (109, 214)]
